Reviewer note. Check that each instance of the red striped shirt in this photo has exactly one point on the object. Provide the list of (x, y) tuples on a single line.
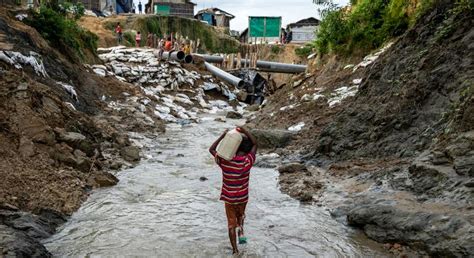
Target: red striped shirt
[(235, 178)]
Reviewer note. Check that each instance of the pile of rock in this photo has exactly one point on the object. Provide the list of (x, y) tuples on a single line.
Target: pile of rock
[(174, 93)]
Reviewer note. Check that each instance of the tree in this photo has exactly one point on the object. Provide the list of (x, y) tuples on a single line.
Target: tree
[(325, 6)]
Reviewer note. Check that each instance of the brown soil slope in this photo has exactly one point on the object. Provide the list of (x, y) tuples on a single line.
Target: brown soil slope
[(397, 158), (52, 139), (419, 91)]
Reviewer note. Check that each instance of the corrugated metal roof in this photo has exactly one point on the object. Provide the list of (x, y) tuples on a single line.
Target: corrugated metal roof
[(216, 11)]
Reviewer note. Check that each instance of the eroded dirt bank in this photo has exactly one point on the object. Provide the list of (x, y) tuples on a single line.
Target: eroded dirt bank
[(58, 137), (65, 126), (386, 144)]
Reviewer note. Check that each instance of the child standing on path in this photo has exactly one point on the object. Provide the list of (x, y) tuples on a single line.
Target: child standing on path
[(235, 184), (138, 39), (118, 31)]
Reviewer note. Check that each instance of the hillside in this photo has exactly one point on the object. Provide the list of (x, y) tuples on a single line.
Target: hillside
[(394, 134), (211, 39), (66, 127)]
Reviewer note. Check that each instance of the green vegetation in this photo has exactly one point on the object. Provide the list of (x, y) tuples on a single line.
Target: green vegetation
[(370, 23), (129, 38), (304, 51), (210, 38), (57, 24), (451, 21), (276, 49), (463, 6)]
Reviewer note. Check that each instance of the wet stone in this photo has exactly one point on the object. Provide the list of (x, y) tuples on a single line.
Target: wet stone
[(104, 179), (292, 168), (234, 115), (469, 183), (464, 165), (130, 153), (268, 139)]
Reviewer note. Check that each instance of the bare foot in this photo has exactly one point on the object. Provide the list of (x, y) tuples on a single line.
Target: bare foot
[(240, 231)]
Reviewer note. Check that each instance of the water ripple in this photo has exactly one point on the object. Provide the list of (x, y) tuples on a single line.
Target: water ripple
[(163, 210)]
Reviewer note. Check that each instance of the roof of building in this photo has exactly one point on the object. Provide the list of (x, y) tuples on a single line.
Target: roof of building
[(215, 11), (244, 32), (305, 22)]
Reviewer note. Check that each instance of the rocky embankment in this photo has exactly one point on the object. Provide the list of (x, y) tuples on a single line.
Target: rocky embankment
[(387, 145), (65, 127)]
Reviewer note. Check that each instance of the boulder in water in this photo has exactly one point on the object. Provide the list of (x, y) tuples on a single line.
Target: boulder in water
[(103, 179), (234, 115), (270, 139), (293, 167), (130, 153)]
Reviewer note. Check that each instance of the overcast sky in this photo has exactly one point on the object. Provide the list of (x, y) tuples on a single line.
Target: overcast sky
[(290, 10)]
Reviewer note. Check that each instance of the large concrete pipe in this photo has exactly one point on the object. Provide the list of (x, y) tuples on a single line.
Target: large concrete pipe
[(176, 55), (278, 67), (227, 77), (265, 66), (188, 59), (211, 59)]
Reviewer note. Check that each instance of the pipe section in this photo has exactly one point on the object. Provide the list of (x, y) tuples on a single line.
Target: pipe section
[(265, 66), (227, 77), (176, 55), (188, 59)]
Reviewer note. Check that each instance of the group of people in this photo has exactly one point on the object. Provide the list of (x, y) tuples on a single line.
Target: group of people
[(165, 44)]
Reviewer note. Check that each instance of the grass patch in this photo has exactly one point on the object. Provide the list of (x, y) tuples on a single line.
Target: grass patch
[(210, 39), (276, 49), (59, 27), (129, 38), (368, 25), (304, 51)]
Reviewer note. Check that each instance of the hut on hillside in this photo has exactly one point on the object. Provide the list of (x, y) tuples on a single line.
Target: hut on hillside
[(304, 30), (181, 8), (215, 17)]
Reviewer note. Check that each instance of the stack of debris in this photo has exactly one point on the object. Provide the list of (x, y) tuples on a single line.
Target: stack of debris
[(180, 93), (255, 87)]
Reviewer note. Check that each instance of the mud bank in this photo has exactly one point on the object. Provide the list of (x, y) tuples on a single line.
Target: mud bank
[(66, 127), (386, 144), (59, 138)]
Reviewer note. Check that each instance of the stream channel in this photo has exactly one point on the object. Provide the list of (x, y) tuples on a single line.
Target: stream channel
[(161, 208)]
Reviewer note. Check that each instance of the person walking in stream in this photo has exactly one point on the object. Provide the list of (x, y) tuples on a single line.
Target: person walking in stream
[(235, 183)]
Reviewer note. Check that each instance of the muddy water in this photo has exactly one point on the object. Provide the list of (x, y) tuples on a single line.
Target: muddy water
[(161, 208)]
